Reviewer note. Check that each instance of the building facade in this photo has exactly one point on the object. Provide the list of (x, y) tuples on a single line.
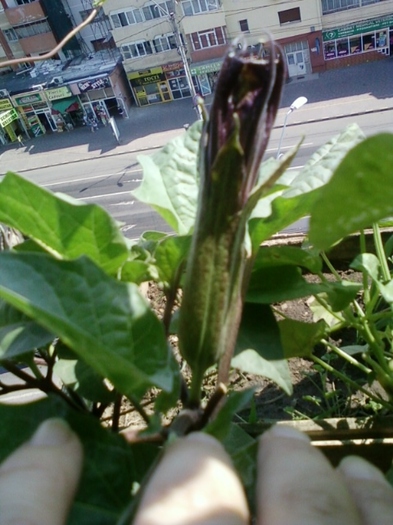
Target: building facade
[(169, 49)]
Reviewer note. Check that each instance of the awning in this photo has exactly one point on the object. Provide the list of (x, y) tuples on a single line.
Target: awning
[(65, 104)]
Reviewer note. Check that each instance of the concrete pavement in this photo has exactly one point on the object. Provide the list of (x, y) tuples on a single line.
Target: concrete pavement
[(366, 88)]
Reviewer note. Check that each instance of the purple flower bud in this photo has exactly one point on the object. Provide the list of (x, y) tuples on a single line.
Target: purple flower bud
[(246, 100)]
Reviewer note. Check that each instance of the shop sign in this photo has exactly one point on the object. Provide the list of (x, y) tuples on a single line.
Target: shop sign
[(28, 98), (148, 76), (366, 26), (8, 117), (172, 67), (61, 92), (5, 104), (93, 83), (212, 67)]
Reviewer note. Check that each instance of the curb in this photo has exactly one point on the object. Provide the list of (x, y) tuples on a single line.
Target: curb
[(140, 150)]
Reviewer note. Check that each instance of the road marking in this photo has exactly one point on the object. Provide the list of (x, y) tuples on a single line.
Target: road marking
[(104, 175), (289, 147), (103, 196)]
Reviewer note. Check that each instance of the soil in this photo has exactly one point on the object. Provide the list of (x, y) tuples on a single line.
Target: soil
[(316, 394)]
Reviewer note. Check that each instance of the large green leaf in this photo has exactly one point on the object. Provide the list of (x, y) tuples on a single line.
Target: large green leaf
[(170, 255), (65, 228), (106, 322), (298, 338), (19, 334), (297, 201), (258, 347), (359, 193), (170, 180), (280, 283), (269, 256), (111, 466)]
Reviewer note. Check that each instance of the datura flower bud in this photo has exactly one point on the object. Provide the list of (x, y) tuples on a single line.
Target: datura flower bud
[(233, 142)]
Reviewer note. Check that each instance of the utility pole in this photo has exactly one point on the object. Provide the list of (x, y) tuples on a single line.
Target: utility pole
[(182, 53)]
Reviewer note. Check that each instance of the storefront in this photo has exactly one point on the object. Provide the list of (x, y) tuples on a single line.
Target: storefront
[(65, 108), (9, 125), (36, 112), (149, 86), (358, 38), (95, 95), (206, 76), (177, 80)]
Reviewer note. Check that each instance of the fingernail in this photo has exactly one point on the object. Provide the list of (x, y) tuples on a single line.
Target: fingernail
[(52, 433), (358, 468), (285, 431)]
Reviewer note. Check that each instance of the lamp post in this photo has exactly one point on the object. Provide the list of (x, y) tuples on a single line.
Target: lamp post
[(296, 104)]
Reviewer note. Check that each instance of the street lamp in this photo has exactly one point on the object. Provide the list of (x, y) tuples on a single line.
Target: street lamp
[(296, 104)]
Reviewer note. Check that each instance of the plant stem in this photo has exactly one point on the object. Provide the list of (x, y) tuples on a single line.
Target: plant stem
[(346, 356), (347, 380)]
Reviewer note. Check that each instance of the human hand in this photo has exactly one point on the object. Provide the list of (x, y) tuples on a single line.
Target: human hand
[(194, 484), (38, 481)]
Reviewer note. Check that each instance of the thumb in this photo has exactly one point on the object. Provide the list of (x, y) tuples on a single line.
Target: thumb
[(38, 481)]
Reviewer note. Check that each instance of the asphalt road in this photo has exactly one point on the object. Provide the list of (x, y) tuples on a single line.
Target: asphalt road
[(108, 181)]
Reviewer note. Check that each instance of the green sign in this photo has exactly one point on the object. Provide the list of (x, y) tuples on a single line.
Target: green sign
[(5, 104), (367, 26), (27, 99), (212, 67), (7, 117)]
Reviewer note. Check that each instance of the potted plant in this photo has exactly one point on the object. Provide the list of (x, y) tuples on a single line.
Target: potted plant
[(70, 293)]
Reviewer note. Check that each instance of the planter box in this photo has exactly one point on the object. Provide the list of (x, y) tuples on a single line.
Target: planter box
[(370, 438)]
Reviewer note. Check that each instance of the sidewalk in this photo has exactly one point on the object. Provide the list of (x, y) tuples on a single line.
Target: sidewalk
[(367, 88)]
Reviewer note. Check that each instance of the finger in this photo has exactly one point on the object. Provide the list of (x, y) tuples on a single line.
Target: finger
[(297, 485), (38, 481), (371, 492), (194, 484)]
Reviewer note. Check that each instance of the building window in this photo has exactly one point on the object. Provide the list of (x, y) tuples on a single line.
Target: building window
[(32, 29), (157, 10), (244, 26), (21, 2), (10, 35), (331, 6), (210, 38), (126, 18), (194, 7), (164, 43), (135, 16), (136, 49), (289, 15)]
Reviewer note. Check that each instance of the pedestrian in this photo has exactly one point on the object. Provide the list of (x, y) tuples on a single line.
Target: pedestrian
[(93, 124), (20, 141)]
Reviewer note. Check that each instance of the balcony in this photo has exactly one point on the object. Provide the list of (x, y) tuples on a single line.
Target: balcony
[(25, 14), (38, 44)]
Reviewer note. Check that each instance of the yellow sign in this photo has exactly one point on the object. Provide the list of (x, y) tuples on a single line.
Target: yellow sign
[(5, 104), (7, 117), (145, 73), (60, 92)]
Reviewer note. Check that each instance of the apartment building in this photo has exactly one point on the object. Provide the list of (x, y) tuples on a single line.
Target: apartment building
[(356, 31), (97, 35)]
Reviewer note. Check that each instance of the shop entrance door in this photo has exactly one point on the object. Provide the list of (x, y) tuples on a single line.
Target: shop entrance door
[(296, 64)]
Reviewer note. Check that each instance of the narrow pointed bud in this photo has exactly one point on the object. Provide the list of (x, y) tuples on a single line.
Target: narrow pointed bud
[(233, 142)]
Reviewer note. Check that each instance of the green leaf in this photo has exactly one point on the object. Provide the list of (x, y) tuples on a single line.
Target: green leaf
[(320, 312), (269, 256), (135, 272), (298, 200), (299, 339), (110, 468), (63, 228), (258, 347), (19, 334), (106, 322), (170, 180), (76, 374), (279, 283), (170, 255), (359, 193), (235, 401)]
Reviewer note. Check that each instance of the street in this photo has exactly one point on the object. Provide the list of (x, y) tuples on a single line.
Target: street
[(108, 181), (94, 168)]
